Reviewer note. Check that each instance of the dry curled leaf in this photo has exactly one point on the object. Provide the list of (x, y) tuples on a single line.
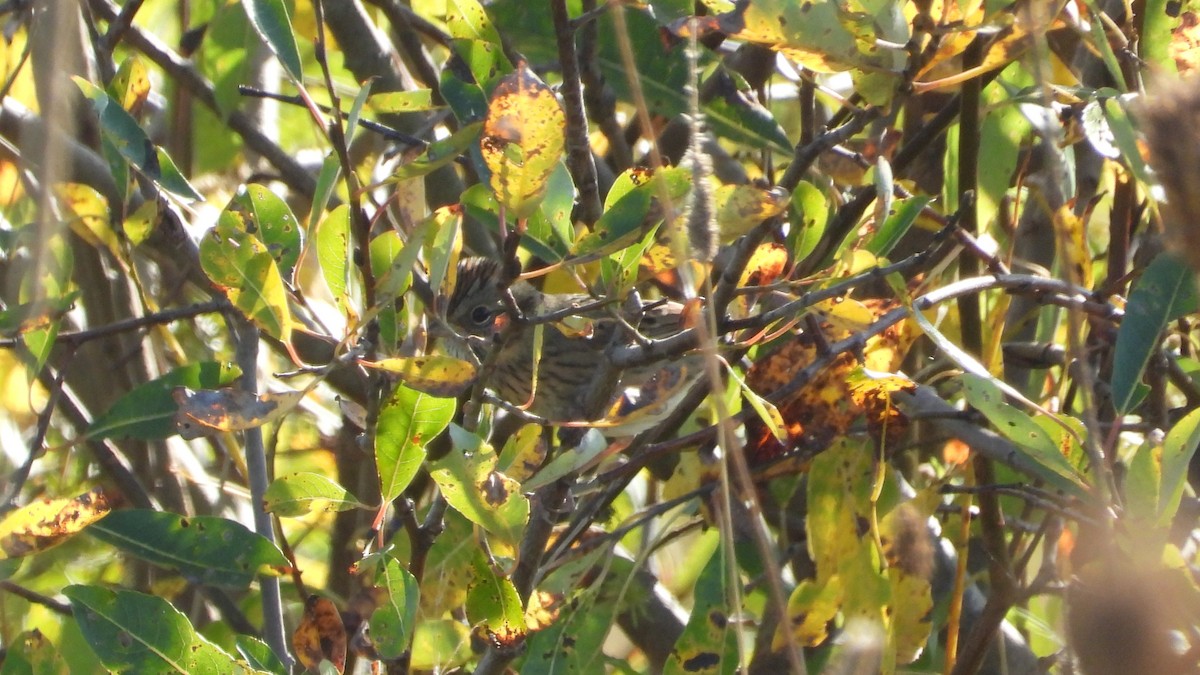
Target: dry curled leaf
[(321, 635), (206, 410)]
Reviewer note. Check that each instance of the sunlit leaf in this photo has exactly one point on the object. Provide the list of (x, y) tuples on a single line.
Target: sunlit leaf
[(469, 481), (1018, 427), (131, 85), (522, 140), (141, 223), (523, 453), (493, 602), (393, 621), (137, 633), (240, 263), (270, 19), (270, 219), (435, 375), (813, 209), (408, 421), (440, 644), (335, 249), (88, 213), (741, 207), (811, 607), (300, 493), (46, 523), (204, 549), (259, 656), (401, 101), (1179, 448), (467, 20), (631, 209)]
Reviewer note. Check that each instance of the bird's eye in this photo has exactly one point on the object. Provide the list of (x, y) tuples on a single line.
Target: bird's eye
[(481, 315)]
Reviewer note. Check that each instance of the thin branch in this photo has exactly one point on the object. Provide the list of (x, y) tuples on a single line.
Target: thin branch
[(579, 149), (36, 598), (17, 478), (258, 475), (370, 125), (76, 338)]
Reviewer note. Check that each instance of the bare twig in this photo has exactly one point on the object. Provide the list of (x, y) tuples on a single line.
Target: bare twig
[(76, 338), (579, 150), (259, 476)]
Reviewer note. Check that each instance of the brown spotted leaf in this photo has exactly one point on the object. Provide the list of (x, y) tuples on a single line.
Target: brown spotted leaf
[(206, 410), (825, 409), (46, 523), (131, 85), (470, 483), (741, 207), (321, 636), (436, 375), (522, 140)]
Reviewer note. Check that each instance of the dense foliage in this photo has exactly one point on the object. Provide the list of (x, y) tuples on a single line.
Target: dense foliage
[(906, 378)]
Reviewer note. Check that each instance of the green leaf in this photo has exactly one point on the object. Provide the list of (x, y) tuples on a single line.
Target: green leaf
[(402, 101), (812, 215), (708, 638), (137, 633), (131, 143), (259, 655), (407, 423), (360, 99), (147, 412), (494, 602), (32, 654), (736, 116), (272, 222), (901, 217), (300, 493), (440, 153), (393, 621), (204, 549), (466, 19), (241, 264), (1165, 292), (470, 483), (839, 500), (270, 20), (335, 247), (1018, 427), (326, 183), (1178, 449), (627, 209), (440, 645)]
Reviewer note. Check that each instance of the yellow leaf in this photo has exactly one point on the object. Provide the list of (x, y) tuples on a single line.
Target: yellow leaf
[(437, 375), (46, 523), (522, 140), (741, 207)]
